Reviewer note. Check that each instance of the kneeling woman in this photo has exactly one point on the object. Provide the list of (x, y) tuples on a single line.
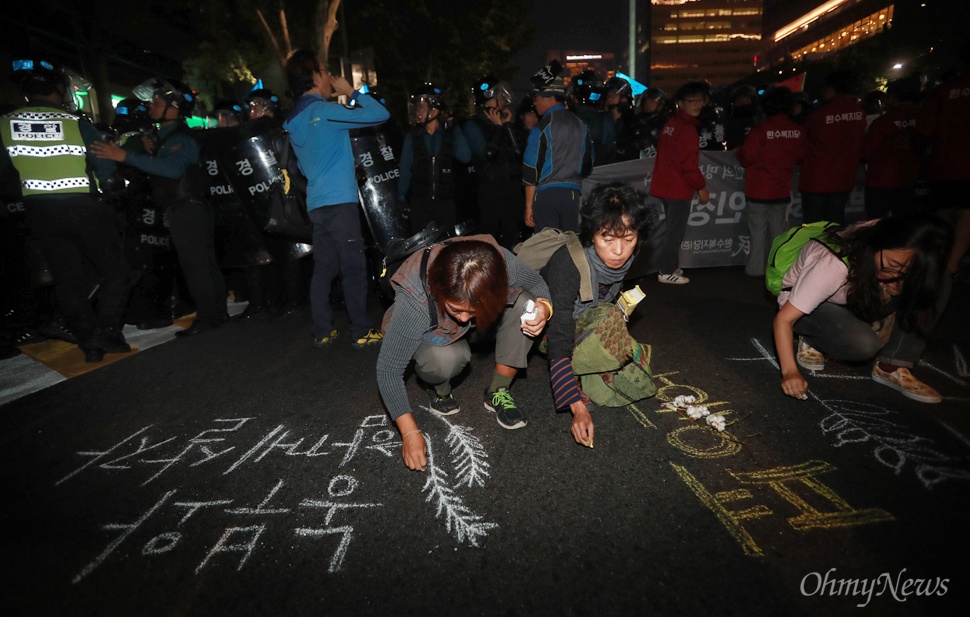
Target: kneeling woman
[(613, 221), (884, 302), (439, 293)]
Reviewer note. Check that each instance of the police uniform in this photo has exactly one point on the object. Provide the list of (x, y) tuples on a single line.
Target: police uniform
[(48, 147)]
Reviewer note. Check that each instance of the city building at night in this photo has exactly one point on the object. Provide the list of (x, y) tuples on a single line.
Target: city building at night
[(715, 40)]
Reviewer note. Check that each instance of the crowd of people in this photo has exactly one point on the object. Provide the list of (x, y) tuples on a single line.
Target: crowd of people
[(870, 291)]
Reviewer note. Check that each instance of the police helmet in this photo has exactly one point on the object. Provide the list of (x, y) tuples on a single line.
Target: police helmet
[(587, 88), (429, 93), (225, 111), (488, 88), (175, 93), (131, 114), (618, 85), (264, 97), (40, 76)]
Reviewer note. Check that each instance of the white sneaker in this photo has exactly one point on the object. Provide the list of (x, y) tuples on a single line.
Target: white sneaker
[(675, 278), (808, 357)]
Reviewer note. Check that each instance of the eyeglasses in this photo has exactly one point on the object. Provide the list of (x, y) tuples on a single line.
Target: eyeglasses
[(897, 273)]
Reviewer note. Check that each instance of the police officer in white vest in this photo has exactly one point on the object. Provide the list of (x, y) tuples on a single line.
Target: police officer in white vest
[(48, 145)]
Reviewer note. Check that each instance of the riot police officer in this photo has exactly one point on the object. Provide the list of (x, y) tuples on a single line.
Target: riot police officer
[(172, 163), (498, 162), (428, 157), (589, 92), (49, 146)]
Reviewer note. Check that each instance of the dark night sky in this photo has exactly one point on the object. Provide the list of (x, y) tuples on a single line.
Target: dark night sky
[(585, 25)]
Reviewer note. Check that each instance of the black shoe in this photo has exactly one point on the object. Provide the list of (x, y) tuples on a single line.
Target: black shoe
[(93, 355), (443, 405), (27, 336), (58, 328), (506, 412), (109, 340), (154, 324), (198, 327)]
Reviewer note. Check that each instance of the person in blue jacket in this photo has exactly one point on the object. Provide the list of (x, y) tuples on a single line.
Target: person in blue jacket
[(320, 133)]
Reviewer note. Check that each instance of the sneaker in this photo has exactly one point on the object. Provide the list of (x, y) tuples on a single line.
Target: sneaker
[(507, 414), (325, 341), (903, 381), (808, 357), (444, 405), (675, 278), (373, 337)]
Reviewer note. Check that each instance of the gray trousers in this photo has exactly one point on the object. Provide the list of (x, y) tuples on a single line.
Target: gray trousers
[(670, 232), (438, 365), (835, 331), (765, 223)]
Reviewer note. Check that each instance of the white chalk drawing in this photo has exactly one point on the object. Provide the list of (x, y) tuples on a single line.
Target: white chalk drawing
[(852, 422), (468, 459), (896, 447), (340, 486), (467, 455), (960, 362)]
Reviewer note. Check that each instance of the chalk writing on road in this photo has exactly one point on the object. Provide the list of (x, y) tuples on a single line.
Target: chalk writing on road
[(895, 443), (181, 519), (810, 503)]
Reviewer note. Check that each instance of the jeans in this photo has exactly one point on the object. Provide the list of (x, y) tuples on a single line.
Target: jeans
[(765, 223), (338, 247), (670, 232)]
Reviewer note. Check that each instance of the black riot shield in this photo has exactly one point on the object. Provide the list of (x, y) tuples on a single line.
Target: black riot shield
[(377, 175), (253, 168), (238, 239), (22, 262)]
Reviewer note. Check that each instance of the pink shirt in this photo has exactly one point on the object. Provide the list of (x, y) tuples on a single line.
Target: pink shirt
[(817, 276)]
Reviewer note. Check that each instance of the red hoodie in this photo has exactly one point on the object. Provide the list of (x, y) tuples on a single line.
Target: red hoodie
[(835, 131), (676, 172), (946, 121), (769, 154), (891, 161)]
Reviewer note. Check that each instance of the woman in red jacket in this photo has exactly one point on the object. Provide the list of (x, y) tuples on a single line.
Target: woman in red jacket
[(677, 176)]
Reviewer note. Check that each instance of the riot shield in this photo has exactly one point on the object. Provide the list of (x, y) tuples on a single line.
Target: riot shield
[(238, 240), (377, 174), (22, 261)]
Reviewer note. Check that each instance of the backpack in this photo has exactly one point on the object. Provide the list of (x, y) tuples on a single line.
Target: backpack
[(786, 247), (537, 250)]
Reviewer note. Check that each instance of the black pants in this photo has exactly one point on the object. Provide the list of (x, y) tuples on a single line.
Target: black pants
[(192, 225), (824, 207), (424, 210), (501, 204), (82, 244)]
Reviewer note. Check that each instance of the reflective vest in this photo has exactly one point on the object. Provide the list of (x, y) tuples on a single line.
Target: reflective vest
[(46, 148)]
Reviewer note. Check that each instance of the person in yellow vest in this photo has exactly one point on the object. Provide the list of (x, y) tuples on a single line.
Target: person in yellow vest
[(48, 146)]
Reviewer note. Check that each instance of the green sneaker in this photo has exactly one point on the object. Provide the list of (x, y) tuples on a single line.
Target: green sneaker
[(372, 337), (443, 405), (508, 415), (325, 341)]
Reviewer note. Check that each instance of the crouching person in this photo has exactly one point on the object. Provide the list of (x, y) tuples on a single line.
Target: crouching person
[(614, 219), (440, 294), (877, 296)]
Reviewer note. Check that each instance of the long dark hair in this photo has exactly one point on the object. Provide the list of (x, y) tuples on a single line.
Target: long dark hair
[(929, 238), (470, 272)]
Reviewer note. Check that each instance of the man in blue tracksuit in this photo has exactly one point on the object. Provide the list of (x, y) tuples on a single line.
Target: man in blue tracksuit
[(319, 131), (558, 156)]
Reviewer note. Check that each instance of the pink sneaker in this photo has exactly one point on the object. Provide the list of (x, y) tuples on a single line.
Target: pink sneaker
[(903, 381)]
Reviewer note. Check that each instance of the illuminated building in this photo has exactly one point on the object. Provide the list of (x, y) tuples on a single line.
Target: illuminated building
[(575, 62), (716, 40), (799, 29)]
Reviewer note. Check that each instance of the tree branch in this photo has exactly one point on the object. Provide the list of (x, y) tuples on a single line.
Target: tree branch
[(272, 38)]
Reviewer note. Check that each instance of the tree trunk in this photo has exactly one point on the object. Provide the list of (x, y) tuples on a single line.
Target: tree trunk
[(326, 26)]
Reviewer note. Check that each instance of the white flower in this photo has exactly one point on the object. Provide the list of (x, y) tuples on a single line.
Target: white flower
[(696, 412), (684, 400), (717, 421)]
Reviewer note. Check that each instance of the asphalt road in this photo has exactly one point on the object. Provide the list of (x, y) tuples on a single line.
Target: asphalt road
[(244, 472)]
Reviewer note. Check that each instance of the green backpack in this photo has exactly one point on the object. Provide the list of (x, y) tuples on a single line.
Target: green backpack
[(787, 246)]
